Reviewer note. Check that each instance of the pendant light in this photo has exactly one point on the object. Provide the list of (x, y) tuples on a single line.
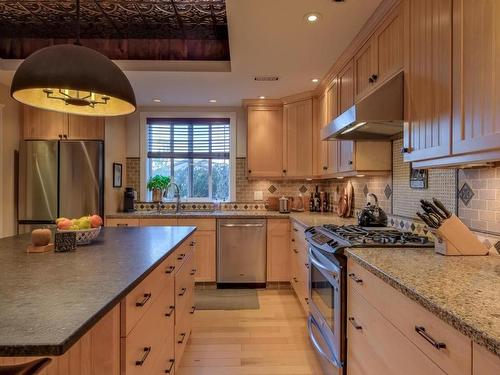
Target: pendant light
[(73, 79)]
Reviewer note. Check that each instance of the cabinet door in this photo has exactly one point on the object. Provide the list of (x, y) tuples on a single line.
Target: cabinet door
[(427, 132), (298, 127), (205, 256), (345, 156), (332, 112), (484, 361), (476, 76), (365, 66), (390, 46), (278, 240), (321, 165), (346, 88), (42, 124), (85, 127), (265, 142)]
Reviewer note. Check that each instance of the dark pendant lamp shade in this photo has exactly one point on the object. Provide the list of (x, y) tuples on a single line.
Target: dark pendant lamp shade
[(73, 79)]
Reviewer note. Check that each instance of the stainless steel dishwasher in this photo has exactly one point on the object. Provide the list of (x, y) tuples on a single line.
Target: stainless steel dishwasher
[(241, 253)]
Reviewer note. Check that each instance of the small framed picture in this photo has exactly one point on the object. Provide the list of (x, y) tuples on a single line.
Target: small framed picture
[(117, 175), (419, 178)]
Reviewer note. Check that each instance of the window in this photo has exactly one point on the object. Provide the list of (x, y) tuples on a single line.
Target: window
[(194, 152)]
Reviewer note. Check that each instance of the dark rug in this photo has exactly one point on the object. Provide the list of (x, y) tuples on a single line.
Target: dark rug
[(226, 299)]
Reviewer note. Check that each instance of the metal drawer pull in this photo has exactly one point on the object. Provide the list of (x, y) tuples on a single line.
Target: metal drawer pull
[(146, 298), (242, 225), (181, 256), (193, 272), (122, 225), (193, 309), (192, 243), (354, 324), (147, 350), (293, 239), (295, 279), (438, 345), (170, 269), (169, 370), (295, 230), (172, 309), (182, 292), (307, 265), (355, 278), (307, 300), (183, 336), (295, 251)]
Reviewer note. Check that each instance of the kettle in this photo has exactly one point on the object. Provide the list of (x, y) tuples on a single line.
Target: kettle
[(372, 215), (284, 205)]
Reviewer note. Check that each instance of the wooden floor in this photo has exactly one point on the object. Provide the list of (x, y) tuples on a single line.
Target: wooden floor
[(268, 341)]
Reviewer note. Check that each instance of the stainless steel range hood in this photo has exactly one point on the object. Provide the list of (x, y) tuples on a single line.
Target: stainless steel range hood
[(378, 116)]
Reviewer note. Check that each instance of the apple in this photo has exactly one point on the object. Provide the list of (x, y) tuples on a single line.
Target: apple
[(64, 224), (95, 221)]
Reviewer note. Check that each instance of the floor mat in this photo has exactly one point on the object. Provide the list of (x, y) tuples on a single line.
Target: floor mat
[(226, 299)]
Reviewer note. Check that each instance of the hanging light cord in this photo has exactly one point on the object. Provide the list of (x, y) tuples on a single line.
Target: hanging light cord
[(78, 43)]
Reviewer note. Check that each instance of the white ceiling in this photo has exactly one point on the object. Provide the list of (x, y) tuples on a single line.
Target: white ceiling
[(267, 37)]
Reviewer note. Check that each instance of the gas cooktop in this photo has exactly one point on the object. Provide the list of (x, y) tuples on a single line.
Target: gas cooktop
[(334, 238)]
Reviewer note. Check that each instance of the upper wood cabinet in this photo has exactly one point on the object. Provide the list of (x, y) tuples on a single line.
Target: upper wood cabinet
[(427, 132), (389, 42), (476, 76), (345, 156), (366, 68), (39, 124), (298, 136), (320, 148), (346, 87), (265, 141)]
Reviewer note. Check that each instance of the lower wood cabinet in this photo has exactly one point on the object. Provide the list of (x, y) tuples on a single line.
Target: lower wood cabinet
[(299, 265), (278, 240), (484, 362), (122, 222)]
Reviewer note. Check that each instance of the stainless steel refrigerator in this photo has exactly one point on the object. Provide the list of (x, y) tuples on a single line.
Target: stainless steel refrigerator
[(59, 179)]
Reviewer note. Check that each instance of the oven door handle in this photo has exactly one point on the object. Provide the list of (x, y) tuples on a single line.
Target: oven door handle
[(332, 360), (316, 263)]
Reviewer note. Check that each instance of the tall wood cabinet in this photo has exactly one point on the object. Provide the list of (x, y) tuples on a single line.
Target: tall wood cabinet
[(278, 240), (39, 124), (298, 139), (428, 79)]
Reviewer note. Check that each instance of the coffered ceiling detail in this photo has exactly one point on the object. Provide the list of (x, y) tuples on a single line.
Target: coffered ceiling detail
[(179, 20)]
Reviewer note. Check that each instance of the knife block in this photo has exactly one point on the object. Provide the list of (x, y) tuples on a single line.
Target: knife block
[(454, 238)]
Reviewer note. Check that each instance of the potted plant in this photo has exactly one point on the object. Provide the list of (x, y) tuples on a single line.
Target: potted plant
[(158, 184)]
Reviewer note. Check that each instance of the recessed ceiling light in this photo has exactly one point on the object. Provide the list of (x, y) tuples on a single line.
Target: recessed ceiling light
[(312, 17), (156, 100), (315, 80), (262, 97), (213, 101)]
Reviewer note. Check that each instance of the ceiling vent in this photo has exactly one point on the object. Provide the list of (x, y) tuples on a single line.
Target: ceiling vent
[(266, 78)]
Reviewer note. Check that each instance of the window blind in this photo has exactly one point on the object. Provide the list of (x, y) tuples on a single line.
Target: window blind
[(199, 138)]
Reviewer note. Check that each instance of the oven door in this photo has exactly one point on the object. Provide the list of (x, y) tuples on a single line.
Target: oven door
[(325, 298)]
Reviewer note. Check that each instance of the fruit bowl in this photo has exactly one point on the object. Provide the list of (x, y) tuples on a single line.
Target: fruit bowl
[(84, 236)]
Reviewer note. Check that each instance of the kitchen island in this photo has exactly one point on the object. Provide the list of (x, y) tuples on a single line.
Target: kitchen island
[(50, 301)]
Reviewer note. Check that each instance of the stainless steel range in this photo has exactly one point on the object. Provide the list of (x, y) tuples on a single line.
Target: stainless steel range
[(327, 282)]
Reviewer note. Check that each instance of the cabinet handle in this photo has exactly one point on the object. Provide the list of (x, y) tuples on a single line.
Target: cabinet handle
[(405, 150), (182, 292), (65, 136), (181, 256), (169, 370), (122, 225), (307, 300), (325, 168), (354, 324), (60, 136), (284, 170), (350, 162), (249, 171), (172, 309), (295, 280), (192, 243), (421, 331), (193, 309), (373, 78), (307, 265), (355, 278), (147, 350), (183, 336), (193, 272), (295, 230), (146, 298), (293, 239), (170, 269), (295, 251)]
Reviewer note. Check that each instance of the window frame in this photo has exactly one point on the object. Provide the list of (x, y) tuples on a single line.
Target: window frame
[(144, 171)]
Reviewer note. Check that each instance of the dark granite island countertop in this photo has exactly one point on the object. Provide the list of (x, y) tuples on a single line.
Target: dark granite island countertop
[(462, 291), (48, 301)]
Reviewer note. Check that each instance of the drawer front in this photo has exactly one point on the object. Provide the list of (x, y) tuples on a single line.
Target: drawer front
[(143, 296), (142, 348), (299, 281), (184, 287), (182, 333), (408, 316), (376, 347), (122, 222), (167, 222), (184, 252), (485, 362), (200, 224)]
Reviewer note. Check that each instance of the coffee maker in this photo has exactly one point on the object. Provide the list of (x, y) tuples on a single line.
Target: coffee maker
[(129, 197)]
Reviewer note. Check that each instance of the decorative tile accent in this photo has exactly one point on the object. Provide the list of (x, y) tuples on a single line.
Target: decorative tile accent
[(272, 189), (388, 191), (365, 190), (497, 246), (303, 189), (466, 193)]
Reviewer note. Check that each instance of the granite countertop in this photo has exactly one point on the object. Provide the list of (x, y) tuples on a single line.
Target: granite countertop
[(306, 219), (462, 291), (50, 300)]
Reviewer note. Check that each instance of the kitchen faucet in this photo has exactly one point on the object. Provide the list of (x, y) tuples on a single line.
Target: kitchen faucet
[(177, 195)]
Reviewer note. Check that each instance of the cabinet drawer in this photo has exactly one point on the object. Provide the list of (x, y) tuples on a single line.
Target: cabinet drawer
[(164, 222), (184, 252), (200, 224), (406, 315), (300, 281), (122, 222), (143, 296), (184, 287), (485, 362), (142, 348), (376, 347), (182, 332)]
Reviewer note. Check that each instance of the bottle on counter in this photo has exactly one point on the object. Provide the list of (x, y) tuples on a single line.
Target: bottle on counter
[(317, 206), (326, 202), (321, 200), (311, 203)]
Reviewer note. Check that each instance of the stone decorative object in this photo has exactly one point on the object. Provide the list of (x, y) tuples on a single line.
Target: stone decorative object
[(40, 241), (65, 241), (466, 193)]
